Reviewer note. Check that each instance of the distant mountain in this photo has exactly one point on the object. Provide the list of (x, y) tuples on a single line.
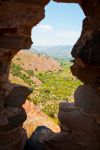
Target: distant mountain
[(58, 52)]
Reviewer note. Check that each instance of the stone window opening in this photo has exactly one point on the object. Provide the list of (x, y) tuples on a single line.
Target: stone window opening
[(80, 121)]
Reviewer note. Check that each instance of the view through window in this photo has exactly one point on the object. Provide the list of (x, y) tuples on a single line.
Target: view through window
[(46, 66), (53, 39)]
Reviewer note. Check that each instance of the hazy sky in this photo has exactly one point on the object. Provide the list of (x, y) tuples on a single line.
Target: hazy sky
[(61, 26)]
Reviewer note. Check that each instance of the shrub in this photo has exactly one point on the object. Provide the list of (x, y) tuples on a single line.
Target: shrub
[(15, 69), (30, 72)]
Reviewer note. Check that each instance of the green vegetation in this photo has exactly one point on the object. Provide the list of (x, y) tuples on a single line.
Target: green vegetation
[(30, 72), (16, 70), (56, 87)]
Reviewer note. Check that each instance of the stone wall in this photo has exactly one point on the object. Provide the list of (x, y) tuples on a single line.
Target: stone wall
[(17, 17), (79, 121)]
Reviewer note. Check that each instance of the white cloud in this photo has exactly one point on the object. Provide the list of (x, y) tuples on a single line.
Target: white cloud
[(45, 34), (45, 27)]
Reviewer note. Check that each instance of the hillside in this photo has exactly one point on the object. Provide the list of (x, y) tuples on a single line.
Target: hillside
[(25, 66), (52, 82), (58, 52), (35, 118), (35, 62)]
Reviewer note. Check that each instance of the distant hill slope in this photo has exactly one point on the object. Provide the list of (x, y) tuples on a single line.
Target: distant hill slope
[(35, 118), (23, 68), (25, 64), (58, 52), (35, 62)]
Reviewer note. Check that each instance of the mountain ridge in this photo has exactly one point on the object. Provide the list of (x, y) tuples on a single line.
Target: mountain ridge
[(56, 52)]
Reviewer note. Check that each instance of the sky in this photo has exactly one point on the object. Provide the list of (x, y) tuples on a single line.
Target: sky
[(62, 25)]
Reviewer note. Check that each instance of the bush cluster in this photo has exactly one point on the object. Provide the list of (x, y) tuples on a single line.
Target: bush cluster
[(16, 71)]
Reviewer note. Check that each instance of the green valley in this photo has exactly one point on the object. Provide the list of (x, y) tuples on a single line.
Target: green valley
[(53, 86)]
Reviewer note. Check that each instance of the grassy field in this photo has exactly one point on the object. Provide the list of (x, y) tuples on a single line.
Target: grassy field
[(56, 87)]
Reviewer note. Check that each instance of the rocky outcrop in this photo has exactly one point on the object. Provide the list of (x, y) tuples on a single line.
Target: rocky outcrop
[(17, 17), (35, 118), (80, 122), (68, 1)]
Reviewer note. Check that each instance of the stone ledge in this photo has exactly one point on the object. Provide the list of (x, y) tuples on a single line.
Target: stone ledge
[(17, 96), (68, 1), (15, 42), (61, 141), (13, 121), (38, 2), (87, 99), (76, 121)]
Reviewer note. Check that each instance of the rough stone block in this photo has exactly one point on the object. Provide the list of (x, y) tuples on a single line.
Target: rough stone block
[(13, 140), (61, 142), (21, 19), (87, 98), (14, 121), (15, 42), (4, 136), (7, 30), (68, 1), (18, 95), (88, 74), (66, 106), (76, 121), (2, 100), (39, 2)]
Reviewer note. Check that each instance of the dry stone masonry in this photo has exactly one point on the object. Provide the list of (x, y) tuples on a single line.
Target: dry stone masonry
[(17, 17), (79, 121)]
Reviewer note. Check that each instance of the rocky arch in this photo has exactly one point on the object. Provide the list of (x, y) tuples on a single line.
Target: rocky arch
[(80, 121)]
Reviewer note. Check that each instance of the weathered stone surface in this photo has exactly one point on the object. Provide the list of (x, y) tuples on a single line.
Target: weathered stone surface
[(12, 140), (68, 1), (66, 106), (16, 42), (5, 60), (92, 11), (21, 19), (2, 100), (88, 74), (36, 140), (13, 134), (38, 2), (11, 121), (87, 98), (3, 66), (87, 48), (61, 141), (16, 21), (11, 31), (19, 22), (18, 95), (76, 121)]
